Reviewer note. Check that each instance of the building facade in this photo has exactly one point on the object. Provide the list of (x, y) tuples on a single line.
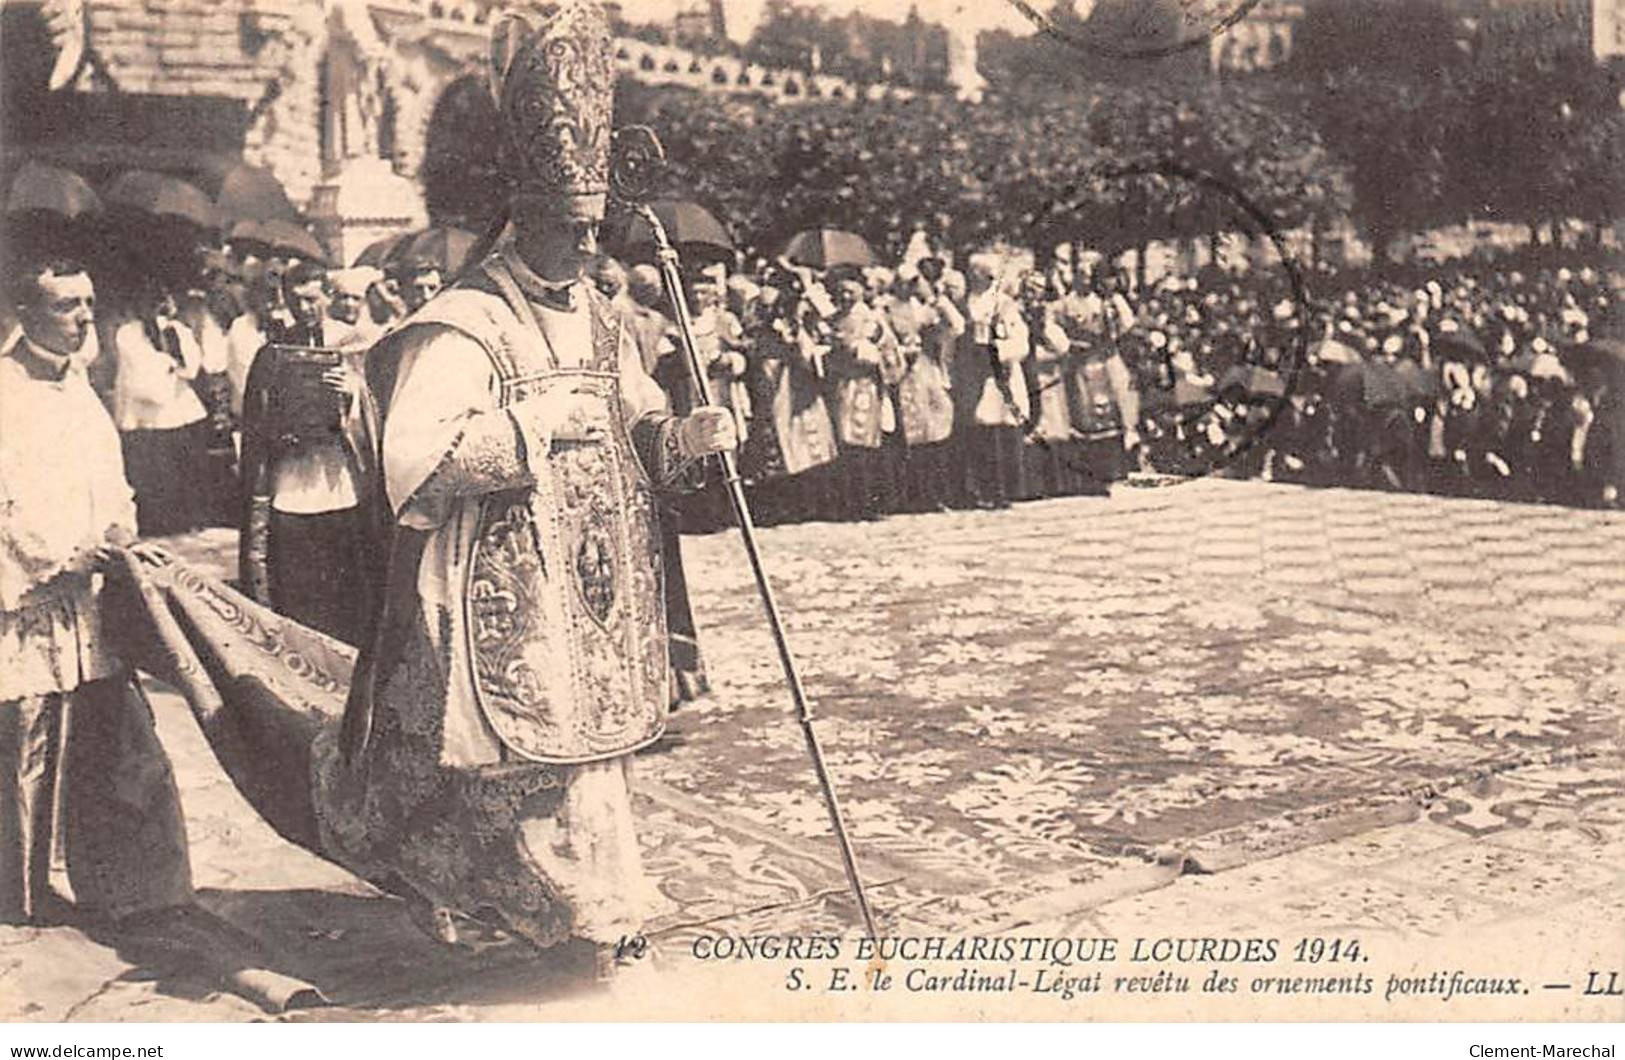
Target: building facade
[(335, 97)]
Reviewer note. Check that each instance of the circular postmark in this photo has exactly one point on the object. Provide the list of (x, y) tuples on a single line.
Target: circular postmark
[(1148, 29), (1218, 376)]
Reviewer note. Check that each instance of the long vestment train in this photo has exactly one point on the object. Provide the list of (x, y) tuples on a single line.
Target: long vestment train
[(521, 655)]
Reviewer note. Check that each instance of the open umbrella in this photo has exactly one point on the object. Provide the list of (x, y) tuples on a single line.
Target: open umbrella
[(162, 196), (1461, 344), (46, 189), (444, 245), (1600, 360), (687, 223), (278, 238), (824, 248), (252, 193), (379, 254)]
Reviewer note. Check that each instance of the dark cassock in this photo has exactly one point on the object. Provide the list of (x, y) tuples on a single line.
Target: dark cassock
[(312, 529), (521, 656), (991, 403)]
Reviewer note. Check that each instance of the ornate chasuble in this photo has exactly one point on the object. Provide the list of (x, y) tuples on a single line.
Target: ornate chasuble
[(564, 596), (923, 395), (1094, 405), (797, 434)]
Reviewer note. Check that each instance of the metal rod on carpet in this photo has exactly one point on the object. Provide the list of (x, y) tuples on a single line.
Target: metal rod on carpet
[(666, 254)]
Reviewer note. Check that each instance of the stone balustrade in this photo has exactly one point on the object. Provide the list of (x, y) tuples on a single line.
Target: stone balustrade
[(667, 64), (670, 64)]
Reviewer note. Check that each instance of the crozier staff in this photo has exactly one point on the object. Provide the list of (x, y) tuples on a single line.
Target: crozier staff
[(521, 653)]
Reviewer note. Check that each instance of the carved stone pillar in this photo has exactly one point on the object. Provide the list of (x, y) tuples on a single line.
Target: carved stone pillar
[(362, 203), (361, 198)]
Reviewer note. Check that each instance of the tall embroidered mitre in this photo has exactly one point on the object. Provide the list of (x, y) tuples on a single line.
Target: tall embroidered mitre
[(553, 80)]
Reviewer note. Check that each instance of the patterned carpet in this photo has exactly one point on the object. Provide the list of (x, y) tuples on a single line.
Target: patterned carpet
[(1026, 707), (1028, 712)]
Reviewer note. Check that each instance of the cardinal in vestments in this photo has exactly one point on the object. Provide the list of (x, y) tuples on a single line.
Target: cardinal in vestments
[(521, 650)]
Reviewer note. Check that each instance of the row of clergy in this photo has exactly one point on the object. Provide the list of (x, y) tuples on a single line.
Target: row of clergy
[(957, 368)]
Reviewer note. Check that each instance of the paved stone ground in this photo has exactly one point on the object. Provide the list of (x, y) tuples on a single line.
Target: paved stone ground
[(1518, 873)]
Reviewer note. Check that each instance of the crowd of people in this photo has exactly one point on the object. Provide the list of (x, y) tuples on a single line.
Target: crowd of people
[(948, 380), (1499, 381), (975, 382)]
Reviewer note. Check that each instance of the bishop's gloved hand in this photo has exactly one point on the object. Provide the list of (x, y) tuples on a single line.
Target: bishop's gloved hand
[(708, 429)]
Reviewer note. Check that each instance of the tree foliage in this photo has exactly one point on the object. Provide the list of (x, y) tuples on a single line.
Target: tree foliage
[(1031, 171), (1396, 113), (1442, 118), (1109, 47), (857, 46)]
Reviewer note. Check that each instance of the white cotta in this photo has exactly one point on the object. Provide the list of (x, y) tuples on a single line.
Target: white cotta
[(993, 320), (58, 498), (153, 390)]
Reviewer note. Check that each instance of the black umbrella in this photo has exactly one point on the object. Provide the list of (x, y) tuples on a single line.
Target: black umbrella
[(445, 245), (252, 193), (826, 248), (1600, 360), (39, 188), (277, 238), (1346, 384), (162, 196), (380, 253), (1462, 344), (1374, 384), (688, 224)]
